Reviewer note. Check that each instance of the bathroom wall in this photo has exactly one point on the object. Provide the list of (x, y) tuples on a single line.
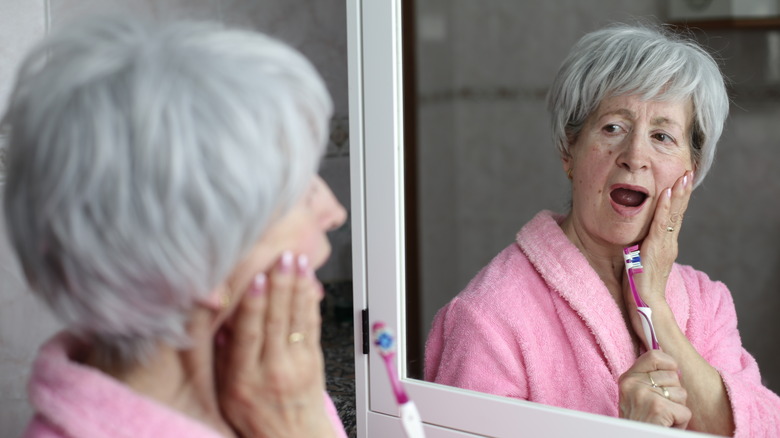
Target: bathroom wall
[(487, 164), (318, 29)]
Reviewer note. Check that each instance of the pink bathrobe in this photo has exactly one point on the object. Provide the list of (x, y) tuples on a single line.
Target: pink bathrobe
[(537, 323), (76, 401)]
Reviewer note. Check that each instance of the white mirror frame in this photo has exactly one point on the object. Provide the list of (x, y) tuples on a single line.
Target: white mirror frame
[(376, 157)]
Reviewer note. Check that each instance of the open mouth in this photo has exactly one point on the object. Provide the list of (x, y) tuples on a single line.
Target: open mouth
[(627, 197)]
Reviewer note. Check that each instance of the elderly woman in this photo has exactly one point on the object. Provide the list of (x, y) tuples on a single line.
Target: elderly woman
[(163, 201), (636, 115)]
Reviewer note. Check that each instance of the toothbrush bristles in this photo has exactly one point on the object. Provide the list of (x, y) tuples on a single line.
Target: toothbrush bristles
[(384, 339)]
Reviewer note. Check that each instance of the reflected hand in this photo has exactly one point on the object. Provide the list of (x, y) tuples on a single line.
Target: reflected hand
[(650, 392), (270, 368), (659, 249)]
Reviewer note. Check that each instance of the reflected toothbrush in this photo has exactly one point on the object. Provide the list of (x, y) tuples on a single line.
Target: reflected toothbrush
[(634, 266), (410, 417)]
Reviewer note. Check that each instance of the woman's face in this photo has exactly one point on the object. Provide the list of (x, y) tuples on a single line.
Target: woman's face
[(627, 153), (302, 230)]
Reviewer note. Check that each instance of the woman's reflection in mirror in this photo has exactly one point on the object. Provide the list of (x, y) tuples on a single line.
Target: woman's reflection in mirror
[(636, 113)]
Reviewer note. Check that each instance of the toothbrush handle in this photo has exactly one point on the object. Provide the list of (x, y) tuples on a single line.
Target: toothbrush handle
[(398, 390), (646, 316), (411, 421)]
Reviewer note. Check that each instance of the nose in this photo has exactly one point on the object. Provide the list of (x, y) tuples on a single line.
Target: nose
[(330, 213), (634, 153)]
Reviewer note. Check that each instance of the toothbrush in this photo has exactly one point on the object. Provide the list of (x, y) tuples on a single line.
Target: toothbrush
[(410, 417), (634, 266)]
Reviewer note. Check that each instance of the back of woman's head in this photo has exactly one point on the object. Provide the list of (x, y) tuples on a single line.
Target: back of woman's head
[(647, 61), (144, 160)]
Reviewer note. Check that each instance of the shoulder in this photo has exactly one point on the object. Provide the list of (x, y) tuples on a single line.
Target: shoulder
[(707, 296), (699, 284), (513, 275), (501, 279)]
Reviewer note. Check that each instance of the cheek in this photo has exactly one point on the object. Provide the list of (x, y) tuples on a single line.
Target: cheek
[(315, 244), (671, 173)]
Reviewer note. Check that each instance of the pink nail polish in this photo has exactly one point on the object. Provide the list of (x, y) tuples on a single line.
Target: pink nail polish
[(258, 285), (286, 262), (303, 265)]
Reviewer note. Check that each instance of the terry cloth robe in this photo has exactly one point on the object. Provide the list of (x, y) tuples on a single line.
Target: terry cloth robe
[(75, 401), (538, 324)]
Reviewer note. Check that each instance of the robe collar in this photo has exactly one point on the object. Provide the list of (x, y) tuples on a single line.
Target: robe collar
[(567, 272)]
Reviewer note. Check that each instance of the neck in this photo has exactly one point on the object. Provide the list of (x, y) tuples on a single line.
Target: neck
[(180, 379), (605, 258)]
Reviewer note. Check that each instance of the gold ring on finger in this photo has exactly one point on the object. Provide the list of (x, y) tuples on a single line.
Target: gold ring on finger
[(295, 337), (652, 382), (665, 391), (670, 229)]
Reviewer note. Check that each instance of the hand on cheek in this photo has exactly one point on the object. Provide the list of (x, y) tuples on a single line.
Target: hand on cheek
[(270, 369), (659, 249)]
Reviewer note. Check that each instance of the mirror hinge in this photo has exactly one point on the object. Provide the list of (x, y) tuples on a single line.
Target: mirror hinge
[(366, 334)]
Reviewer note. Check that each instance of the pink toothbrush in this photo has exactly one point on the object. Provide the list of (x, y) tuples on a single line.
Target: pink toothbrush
[(410, 417), (634, 266)]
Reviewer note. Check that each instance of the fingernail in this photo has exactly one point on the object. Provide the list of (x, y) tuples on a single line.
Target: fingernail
[(685, 181), (668, 193), (303, 265), (286, 262), (258, 285)]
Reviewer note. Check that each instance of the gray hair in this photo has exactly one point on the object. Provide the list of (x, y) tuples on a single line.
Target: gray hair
[(145, 160), (647, 61)]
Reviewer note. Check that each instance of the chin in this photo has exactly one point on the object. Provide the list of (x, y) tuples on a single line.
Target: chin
[(628, 237), (319, 256)]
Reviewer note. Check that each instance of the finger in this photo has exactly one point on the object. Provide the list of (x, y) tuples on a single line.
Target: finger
[(305, 317), (681, 416), (664, 378), (280, 291), (661, 217), (676, 394), (244, 341), (681, 195), (652, 361)]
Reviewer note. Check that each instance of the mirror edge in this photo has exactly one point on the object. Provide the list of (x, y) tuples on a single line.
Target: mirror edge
[(375, 88)]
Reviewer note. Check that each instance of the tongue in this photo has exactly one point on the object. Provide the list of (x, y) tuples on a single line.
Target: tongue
[(626, 197)]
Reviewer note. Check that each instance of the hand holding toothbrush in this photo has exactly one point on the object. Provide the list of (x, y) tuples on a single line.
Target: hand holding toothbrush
[(659, 251), (650, 391), (705, 393)]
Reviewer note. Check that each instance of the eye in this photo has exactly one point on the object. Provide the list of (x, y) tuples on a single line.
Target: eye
[(664, 137), (611, 128)]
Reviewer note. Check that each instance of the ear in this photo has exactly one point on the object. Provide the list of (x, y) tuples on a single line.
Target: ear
[(214, 301), (567, 161)]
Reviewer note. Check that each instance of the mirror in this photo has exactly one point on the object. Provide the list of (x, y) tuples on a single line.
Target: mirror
[(381, 193), (485, 163)]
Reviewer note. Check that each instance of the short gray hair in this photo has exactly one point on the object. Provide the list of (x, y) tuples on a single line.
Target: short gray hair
[(145, 160), (649, 61)]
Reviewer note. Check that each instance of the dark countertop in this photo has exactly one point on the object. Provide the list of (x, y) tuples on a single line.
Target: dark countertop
[(339, 351)]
